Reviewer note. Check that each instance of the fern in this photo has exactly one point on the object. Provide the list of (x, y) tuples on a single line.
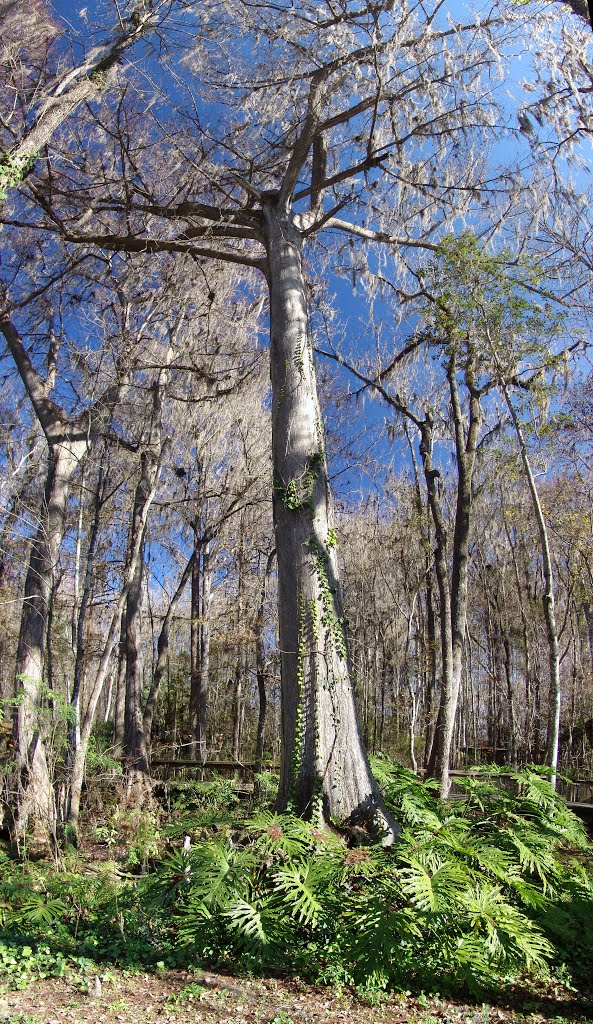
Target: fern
[(296, 887), (510, 936), (433, 885), (283, 834), (247, 921)]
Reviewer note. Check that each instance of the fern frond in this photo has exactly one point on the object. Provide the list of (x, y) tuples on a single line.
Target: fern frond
[(283, 834), (435, 887), (247, 921), (509, 934), (297, 891)]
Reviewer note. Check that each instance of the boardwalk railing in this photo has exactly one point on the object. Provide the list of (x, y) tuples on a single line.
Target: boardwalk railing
[(162, 768), (578, 793)]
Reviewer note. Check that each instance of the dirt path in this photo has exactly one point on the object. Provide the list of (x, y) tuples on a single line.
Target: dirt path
[(200, 998)]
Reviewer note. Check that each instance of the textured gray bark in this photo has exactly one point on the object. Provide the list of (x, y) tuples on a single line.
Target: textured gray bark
[(33, 796), (324, 766)]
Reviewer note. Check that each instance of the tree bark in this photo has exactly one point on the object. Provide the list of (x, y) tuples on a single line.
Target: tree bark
[(465, 451), (135, 748), (33, 796), (324, 767), (78, 629), (201, 587)]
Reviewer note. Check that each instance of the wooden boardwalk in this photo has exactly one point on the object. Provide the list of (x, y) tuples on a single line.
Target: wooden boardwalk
[(578, 793)]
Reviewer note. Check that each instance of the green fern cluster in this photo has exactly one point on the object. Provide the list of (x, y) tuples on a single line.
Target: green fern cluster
[(477, 890), (67, 918), (492, 885)]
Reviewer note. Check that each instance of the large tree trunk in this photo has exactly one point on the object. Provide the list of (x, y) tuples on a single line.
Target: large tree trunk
[(324, 767), (33, 796)]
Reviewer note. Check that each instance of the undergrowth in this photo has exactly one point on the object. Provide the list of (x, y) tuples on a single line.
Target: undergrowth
[(481, 890)]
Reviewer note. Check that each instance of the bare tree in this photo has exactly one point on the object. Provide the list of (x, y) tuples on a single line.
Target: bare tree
[(42, 88), (69, 440), (268, 161)]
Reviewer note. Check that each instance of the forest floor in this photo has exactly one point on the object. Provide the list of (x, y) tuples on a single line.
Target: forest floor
[(170, 997)]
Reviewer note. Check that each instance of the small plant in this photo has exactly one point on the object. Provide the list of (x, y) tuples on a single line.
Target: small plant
[(119, 1006), (190, 992)]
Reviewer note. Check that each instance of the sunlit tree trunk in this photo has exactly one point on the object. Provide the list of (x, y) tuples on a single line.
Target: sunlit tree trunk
[(34, 804), (201, 586), (324, 770)]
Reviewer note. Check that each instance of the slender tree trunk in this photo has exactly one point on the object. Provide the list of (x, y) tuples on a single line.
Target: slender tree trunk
[(548, 595), (465, 450), (241, 663), (163, 648), (78, 631), (200, 647), (135, 750), (77, 557), (260, 665), (324, 767), (134, 557), (120, 693)]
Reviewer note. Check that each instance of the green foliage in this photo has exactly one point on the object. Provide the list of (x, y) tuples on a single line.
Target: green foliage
[(495, 315), (187, 994), (100, 761), (12, 171), (465, 899), (479, 890)]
